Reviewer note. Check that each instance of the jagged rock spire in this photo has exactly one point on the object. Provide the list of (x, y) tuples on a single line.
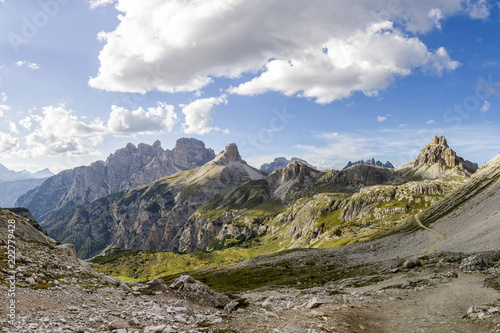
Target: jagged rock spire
[(441, 140), (231, 152)]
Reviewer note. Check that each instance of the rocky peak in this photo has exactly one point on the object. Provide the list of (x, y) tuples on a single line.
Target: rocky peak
[(157, 144), (438, 152), (279, 163), (295, 170), (231, 152), (191, 153), (441, 140), (131, 146)]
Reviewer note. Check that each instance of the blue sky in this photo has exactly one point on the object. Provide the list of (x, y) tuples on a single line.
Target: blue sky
[(327, 81)]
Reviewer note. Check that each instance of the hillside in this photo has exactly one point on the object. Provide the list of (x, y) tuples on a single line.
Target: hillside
[(309, 208), (45, 288), (126, 168), (470, 213)]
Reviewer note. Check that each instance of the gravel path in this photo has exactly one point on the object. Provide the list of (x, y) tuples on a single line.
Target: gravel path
[(433, 247)]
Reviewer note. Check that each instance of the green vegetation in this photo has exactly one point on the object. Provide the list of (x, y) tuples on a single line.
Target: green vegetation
[(139, 265), (286, 273)]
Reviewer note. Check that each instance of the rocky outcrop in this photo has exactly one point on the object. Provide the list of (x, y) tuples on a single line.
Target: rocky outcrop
[(280, 163), (370, 162), (126, 168), (438, 152), (473, 263)]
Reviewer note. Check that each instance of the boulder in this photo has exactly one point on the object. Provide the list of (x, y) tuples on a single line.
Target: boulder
[(412, 263), (199, 292)]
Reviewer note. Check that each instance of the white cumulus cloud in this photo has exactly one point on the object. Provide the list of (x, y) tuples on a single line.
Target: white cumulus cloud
[(140, 121), (59, 132), (324, 50), (199, 117), (381, 119), (26, 122)]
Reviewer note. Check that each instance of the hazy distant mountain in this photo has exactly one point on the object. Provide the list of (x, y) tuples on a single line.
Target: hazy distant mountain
[(16, 183), (126, 168), (12, 189), (370, 162), (279, 163), (6, 174)]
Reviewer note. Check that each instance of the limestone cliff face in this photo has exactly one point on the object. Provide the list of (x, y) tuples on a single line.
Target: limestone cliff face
[(126, 168), (154, 216)]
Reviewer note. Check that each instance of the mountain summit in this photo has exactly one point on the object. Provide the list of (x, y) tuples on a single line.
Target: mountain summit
[(438, 152), (231, 153)]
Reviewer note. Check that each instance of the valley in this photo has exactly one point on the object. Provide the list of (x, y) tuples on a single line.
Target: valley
[(365, 249)]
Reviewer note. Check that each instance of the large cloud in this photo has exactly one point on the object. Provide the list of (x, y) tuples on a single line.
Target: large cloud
[(319, 49)]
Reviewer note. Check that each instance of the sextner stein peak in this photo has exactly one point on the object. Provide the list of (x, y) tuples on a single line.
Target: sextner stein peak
[(439, 152)]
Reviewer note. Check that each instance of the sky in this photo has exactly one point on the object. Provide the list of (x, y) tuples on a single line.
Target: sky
[(325, 80)]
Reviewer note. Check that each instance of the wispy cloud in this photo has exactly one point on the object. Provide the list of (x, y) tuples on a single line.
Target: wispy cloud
[(486, 106), (30, 65)]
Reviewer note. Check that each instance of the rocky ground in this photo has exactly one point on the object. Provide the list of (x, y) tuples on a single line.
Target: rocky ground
[(58, 293)]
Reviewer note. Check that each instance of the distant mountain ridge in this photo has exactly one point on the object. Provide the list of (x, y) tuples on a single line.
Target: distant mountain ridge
[(279, 163), (6, 174), (12, 189), (126, 168), (370, 162)]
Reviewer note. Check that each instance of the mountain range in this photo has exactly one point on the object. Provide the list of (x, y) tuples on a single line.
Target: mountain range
[(126, 168), (7, 175), (15, 183), (370, 162), (225, 202)]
